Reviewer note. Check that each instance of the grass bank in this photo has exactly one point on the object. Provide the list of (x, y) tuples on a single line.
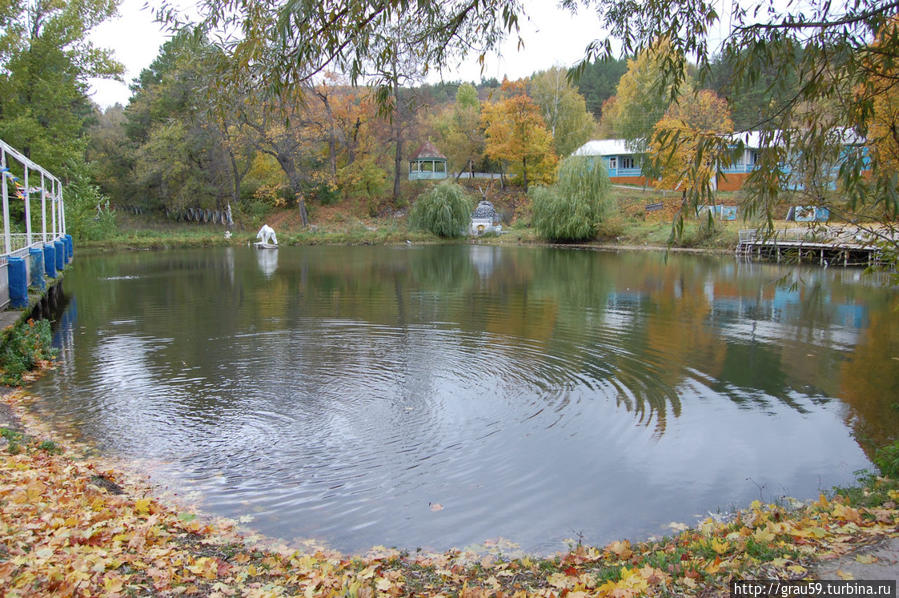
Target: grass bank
[(71, 525), (334, 227), (24, 347)]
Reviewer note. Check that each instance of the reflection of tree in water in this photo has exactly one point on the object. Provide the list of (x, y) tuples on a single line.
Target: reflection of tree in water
[(439, 269), (627, 328), (870, 380)]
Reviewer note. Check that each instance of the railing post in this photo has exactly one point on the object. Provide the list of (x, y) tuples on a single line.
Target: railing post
[(44, 209), (53, 213), (62, 211), (27, 210), (6, 234)]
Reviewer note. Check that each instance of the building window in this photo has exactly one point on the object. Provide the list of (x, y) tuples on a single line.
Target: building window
[(627, 162)]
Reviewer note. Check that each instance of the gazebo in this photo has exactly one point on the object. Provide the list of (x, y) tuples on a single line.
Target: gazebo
[(427, 163)]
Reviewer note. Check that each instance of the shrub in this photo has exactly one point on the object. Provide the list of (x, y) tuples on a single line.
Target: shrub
[(571, 209), (887, 459), (445, 210), (88, 215), (25, 345)]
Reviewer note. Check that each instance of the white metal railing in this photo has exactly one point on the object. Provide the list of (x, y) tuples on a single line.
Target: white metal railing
[(787, 235), (22, 179)]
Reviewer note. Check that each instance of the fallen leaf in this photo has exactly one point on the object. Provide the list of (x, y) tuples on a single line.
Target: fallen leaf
[(142, 506), (866, 559), (621, 548), (845, 574), (720, 546)]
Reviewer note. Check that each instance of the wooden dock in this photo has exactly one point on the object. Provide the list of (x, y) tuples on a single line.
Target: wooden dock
[(824, 247)]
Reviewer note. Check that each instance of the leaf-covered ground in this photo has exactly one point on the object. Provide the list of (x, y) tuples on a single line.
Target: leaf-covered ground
[(72, 527)]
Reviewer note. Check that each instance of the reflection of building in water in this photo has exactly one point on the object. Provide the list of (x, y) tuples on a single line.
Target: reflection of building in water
[(268, 261), (771, 312), (621, 309), (485, 259)]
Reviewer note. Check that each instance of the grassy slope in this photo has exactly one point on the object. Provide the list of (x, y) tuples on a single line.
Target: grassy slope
[(348, 223)]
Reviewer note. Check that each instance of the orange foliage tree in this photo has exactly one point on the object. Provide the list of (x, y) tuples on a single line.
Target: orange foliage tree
[(881, 88), (516, 134), (675, 147)]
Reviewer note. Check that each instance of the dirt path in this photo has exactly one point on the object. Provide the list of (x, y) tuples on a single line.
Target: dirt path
[(875, 562)]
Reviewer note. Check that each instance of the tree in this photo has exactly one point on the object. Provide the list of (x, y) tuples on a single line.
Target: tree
[(181, 125), (110, 153), (643, 94), (597, 81), (571, 209), (278, 128), (46, 60), (460, 131), (563, 108), (445, 210), (290, 44), (515, 134), (752, 105), (691, 119), (826, 52), (837, 63), (399, 63), (883, 131)]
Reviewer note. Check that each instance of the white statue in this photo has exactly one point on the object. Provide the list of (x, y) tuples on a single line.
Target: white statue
[(266, 234)]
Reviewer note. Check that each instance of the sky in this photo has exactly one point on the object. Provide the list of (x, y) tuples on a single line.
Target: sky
[(552, 37)]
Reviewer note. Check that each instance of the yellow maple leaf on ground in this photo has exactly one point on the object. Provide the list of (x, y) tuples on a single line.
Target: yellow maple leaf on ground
[(142, 506), (847, 513), (204, 567), (719, 546), (845, 574), (560, 580), (113, 583), (631, 584), (763, 535)]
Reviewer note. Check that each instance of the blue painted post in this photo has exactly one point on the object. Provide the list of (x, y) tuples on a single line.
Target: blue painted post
[(18, 283), (70, 245), (50, 259), (37, 268), (60, 255)]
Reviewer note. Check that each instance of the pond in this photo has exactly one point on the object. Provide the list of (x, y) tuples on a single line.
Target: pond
[(441, 396)]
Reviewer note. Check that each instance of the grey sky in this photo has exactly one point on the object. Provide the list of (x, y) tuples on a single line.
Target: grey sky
[(551, 37)]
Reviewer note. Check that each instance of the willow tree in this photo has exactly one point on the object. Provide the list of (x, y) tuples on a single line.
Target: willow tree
[(571, 209), (445, 210)]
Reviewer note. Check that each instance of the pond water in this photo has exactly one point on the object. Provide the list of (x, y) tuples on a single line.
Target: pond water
[(345, 394)]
